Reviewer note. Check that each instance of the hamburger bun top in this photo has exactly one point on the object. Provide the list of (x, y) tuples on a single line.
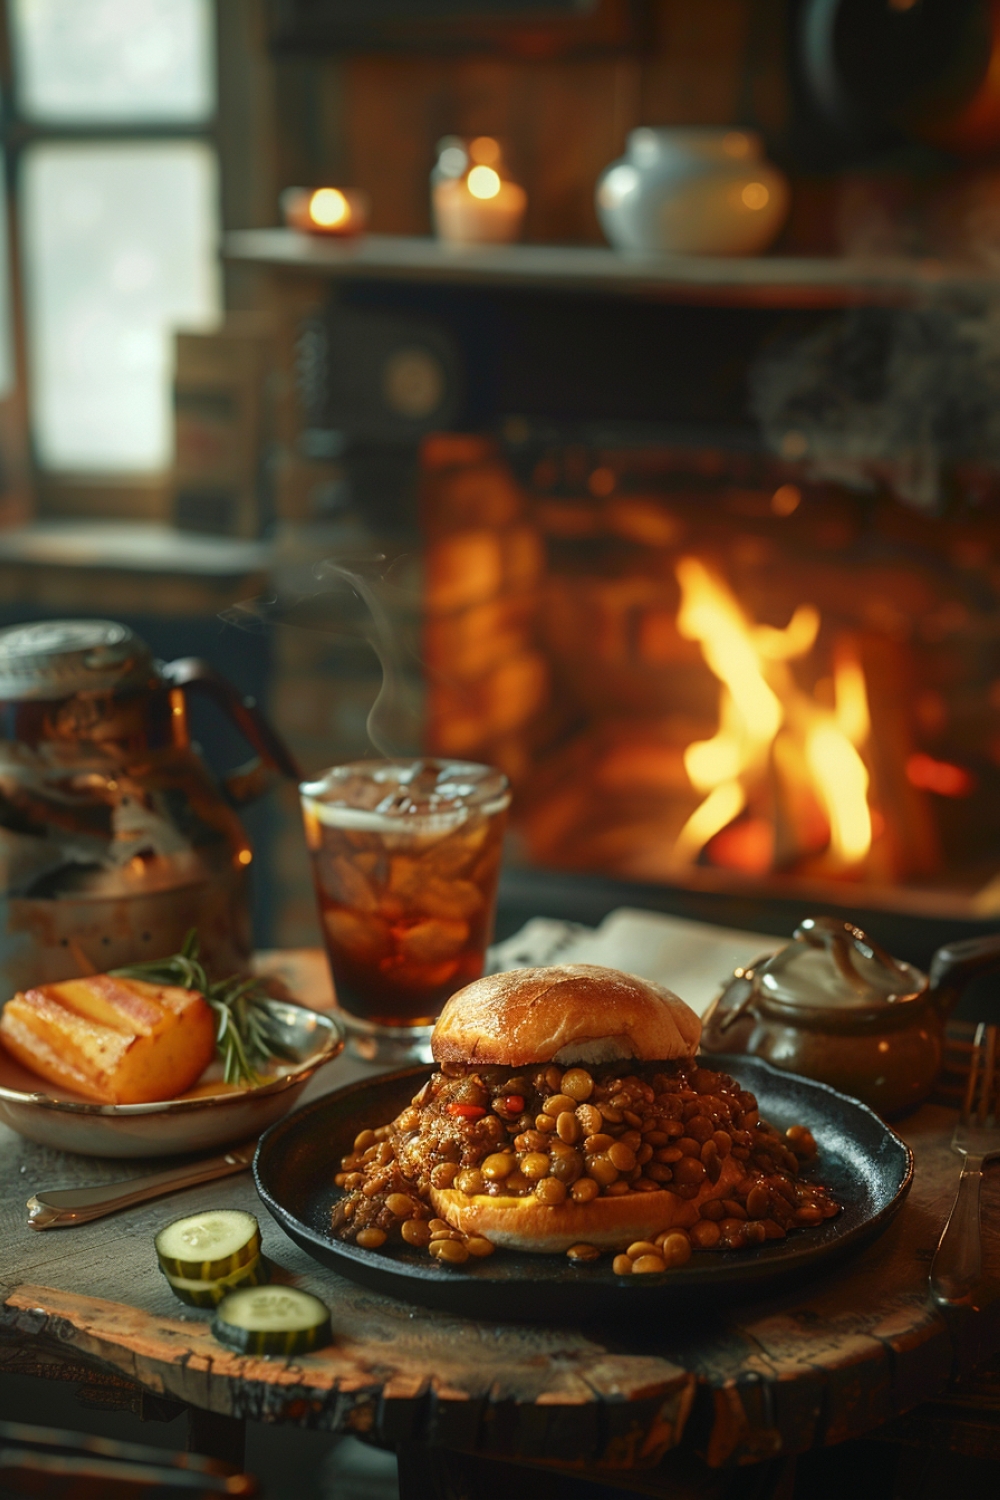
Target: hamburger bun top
[(568, 1013)]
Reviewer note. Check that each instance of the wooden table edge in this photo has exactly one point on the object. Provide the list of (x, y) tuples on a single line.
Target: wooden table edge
[(178, 1359)]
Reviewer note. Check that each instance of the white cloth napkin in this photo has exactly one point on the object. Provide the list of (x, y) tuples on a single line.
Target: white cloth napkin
[(694, 959)]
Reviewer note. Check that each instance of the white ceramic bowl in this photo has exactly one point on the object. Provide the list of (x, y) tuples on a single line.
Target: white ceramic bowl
[(172, 1126)]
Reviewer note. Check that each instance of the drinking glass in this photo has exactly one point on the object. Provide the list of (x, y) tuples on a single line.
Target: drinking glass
[(406, 858)]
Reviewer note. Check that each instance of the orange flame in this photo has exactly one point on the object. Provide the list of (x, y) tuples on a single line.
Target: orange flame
[(758, 699)]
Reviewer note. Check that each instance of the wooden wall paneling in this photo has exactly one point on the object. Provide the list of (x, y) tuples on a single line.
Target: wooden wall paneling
[(561, 29), (373, 120), (248, 138), (695, 74), (562, 119), (311, 130), (561, 122), (483, 96), (395, 109), (577, 126), (766, 90)]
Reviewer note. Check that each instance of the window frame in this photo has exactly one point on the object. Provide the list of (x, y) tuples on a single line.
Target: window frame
[(67, 493)]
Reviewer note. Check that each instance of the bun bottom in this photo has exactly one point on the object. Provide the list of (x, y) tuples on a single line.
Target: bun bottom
[(608, 1223)]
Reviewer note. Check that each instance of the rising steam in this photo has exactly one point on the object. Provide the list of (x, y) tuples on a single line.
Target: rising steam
[(339, 601)]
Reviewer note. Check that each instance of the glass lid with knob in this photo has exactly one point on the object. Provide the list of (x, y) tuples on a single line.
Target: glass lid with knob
[(831, 964)]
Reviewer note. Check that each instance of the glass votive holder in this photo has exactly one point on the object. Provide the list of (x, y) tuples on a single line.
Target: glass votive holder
[(473, 201), (340, 212)]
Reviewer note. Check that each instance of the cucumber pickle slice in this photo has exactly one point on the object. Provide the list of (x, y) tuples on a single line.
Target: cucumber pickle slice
[(208, 1246), (272, 1320), (197, 1293)]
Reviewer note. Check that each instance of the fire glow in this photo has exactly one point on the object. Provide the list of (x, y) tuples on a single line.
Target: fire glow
[(770, 730)]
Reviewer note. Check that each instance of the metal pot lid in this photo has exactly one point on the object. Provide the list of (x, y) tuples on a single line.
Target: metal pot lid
[(59, 658), (834, 965)]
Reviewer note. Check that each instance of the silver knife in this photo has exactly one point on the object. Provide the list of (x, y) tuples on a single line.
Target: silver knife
[(58, 1208)]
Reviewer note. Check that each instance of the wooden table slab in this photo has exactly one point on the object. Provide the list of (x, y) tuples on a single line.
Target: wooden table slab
[(824, 1362)]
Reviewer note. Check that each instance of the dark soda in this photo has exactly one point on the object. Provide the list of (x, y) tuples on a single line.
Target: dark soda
[(406, 858)]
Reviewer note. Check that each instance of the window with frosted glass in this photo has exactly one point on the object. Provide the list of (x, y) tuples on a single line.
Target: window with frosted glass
[(113, 60), (119, 250), (118, 218)]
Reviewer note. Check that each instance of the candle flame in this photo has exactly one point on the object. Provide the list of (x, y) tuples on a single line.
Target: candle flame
[(483, 182), (328, 207)]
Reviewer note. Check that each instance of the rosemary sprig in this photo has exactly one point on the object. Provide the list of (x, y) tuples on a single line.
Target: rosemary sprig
[(245, 1035)]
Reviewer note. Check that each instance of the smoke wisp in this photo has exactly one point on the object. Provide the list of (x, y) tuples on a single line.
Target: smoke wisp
[(362, 601), (887, 395)]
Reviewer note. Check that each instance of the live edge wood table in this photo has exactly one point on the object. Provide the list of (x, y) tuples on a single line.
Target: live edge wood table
[(828, 1361)]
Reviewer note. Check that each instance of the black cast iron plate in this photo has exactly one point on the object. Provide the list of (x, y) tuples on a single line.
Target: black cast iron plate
[(866, 1165)]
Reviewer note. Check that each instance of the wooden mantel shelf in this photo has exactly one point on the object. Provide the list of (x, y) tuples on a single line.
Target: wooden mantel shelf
[(761, 280)]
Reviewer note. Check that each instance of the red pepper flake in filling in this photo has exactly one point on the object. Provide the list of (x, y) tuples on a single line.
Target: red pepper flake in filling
[(466, 1111)]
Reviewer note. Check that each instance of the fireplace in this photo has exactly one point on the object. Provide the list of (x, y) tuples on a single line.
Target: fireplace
[(702, 668), (709, 564)]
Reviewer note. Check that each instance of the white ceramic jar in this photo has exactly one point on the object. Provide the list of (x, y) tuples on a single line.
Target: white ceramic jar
[(692, 191)]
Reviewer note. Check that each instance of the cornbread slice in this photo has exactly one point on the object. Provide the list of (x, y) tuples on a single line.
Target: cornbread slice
[(117, 1041)]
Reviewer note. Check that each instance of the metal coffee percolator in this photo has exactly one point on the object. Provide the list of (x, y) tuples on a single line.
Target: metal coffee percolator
[(115, 839)]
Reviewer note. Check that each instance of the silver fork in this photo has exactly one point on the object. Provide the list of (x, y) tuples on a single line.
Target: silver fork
[(957, 1267)]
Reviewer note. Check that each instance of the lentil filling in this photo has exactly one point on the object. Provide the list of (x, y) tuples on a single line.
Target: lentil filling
[(577, 1134)]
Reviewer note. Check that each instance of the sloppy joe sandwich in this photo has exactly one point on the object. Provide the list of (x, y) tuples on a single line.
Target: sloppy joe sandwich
[(569, 1113)]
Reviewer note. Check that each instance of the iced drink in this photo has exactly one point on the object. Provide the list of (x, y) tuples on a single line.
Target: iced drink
[(406, 857)]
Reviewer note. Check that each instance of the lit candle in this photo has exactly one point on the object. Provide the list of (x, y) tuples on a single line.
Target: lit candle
[(326, 210), (473, 203)]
